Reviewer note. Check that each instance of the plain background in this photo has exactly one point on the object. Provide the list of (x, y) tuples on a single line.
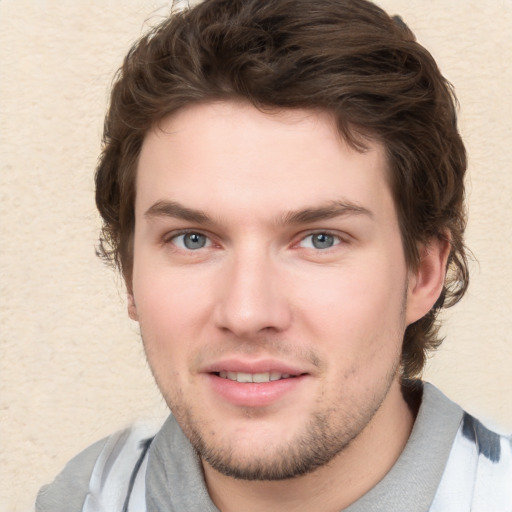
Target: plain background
[(72, 368)]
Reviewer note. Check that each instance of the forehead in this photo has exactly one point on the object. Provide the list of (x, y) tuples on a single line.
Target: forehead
[(234, 157)]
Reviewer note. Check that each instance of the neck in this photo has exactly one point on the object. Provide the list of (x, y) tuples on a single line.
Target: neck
[(334, 486)]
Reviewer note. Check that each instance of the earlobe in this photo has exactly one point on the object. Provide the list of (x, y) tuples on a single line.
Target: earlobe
[(426, 282), (132, 308)]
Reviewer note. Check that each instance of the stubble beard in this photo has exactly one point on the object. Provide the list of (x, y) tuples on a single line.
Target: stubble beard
[(317, 444), (315, 447)]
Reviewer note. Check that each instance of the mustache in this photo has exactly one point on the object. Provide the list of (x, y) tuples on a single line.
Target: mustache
[(264, 347)]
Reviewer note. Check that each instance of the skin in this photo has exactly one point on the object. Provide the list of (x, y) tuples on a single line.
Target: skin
[(264, 242)]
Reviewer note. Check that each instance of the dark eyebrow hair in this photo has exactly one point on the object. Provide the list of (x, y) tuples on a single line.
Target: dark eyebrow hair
[(330, 210), (177, 210)]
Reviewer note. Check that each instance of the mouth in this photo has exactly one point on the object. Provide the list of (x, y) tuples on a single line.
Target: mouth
[(255, 387), (258, 378), (256, 382)]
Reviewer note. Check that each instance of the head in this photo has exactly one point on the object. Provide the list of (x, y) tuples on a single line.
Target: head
[(280, 184), (347, 58)]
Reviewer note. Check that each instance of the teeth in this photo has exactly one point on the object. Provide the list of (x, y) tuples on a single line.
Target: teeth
[(254, 377), (244, 377)]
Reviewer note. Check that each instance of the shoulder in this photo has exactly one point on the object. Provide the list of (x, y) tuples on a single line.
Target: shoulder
[(478, 473), (82, 478), (489, 445), (68, 490)]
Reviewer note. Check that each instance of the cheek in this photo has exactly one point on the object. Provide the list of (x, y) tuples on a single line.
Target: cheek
[(173, 311), (166, 335), (353, 295), (356, 318), (167, 293)]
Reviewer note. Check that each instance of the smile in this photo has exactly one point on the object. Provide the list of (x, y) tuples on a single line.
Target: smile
[(260, 387), (254, 377)]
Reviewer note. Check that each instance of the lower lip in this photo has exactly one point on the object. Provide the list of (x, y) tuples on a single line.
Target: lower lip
[(247, 394)]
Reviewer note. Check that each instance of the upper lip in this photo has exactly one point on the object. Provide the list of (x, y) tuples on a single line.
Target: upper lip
[(258, 366)]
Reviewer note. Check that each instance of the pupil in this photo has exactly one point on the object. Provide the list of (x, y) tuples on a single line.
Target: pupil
[(322, 241), (194, 241)]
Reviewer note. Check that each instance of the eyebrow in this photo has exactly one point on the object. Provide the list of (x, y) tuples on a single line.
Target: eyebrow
[(329, 210), (178, 211)]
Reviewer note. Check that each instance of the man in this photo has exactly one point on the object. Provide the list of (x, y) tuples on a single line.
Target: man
[(281, 187)]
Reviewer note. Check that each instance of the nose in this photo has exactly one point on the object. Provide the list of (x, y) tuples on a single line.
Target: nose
[(252, 297)]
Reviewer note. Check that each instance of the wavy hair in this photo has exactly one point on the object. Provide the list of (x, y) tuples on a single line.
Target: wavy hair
[(347, 57)]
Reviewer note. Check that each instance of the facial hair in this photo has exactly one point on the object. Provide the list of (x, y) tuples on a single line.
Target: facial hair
[(327, 433)]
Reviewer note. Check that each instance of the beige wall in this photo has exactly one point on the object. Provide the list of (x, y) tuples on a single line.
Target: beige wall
[(71, 364)]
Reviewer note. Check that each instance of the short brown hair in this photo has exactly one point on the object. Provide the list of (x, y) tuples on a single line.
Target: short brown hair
[(347, 57)]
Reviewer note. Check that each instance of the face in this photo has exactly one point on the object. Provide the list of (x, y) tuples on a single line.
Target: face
[(269, 283)]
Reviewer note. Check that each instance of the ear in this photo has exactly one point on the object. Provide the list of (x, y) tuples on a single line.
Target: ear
[(427, 280), (132, 308)]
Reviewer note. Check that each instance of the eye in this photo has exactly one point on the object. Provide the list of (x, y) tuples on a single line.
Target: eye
[(191, 241), (320, 241)]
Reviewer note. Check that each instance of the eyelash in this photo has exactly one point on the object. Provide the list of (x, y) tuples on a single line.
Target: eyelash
[(338, 239), (171, 239)]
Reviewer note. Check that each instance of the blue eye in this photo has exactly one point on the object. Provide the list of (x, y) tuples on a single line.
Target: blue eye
[(191, 241), (320, 241)]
